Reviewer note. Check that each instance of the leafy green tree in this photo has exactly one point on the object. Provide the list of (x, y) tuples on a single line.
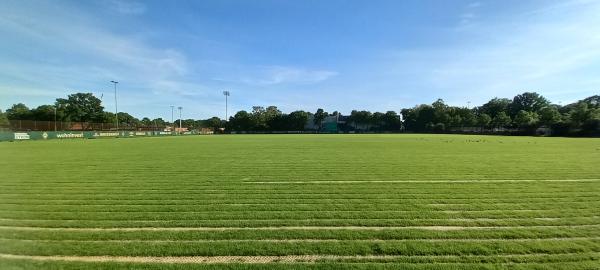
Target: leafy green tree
[(266, 119), (529, 102), (585, 116), (125, 118), (241, 121), (214, 122), (525, 119), (107, 117), (579, 114), (3, 119), (439, 127), (391, 121), (278, 122), (146, 122), (410, 119), (188, 123), (259, 119), (377, 120), (495, 106), (549, 116), (159, 122), (592, 124), (440, 112), (18, 112), (593, 102), (270, 114), (419, 118), (319, 116), (501, 120), (454, 120), (469, 119), (81, 107), (45, 113), (360, 118), (484, 120), (297, 120)]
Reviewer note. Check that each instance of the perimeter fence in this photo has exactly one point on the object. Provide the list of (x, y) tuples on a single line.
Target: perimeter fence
[(31, 125)]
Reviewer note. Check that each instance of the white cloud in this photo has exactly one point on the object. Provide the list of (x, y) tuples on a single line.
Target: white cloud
[(84, 53), (127, 7), (474, 5), (542, 51), (272, 75), (469, 15)]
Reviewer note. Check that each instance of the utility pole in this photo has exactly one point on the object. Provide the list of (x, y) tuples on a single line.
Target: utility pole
[(116, 108), (226, 94)]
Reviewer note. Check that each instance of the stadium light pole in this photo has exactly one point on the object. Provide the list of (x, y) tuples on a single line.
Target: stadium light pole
[(116, 108), (54, 118), (226, 94), (180, 108), (172, 119)]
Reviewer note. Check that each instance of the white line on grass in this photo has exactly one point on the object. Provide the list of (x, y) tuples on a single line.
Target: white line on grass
[(420, 181), (376, 228), (307, 240), (259, 259)]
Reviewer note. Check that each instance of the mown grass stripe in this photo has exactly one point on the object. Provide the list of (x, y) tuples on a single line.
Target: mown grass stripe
[(433, 228)]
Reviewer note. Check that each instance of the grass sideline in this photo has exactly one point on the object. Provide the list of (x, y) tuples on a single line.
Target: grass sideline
[(488, 202)]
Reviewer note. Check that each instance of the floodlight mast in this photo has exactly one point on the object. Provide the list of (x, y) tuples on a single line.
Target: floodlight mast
[(226, 94), (55, 118), (116, 108), (180, 108), (172, 119)]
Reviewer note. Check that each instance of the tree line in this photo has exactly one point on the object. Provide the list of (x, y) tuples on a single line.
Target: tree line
[(522, 114), (85, 107)]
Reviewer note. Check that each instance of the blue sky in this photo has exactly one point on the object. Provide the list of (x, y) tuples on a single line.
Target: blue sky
[(338, 55)]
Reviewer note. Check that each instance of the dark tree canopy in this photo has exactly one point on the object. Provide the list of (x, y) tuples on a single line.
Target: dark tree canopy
[(495, 106), (525, 119), (46, 113), (528, 102), (501, 120), (81, 107), (127, 119), (19, 112), (3, 119), (242, 121), (319, 116)]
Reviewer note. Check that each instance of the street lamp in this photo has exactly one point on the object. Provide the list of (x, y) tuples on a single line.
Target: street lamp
[(226, 94), (116, 108), (180, 108)]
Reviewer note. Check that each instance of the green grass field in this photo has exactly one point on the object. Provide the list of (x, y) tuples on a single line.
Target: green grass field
[(301, 202)]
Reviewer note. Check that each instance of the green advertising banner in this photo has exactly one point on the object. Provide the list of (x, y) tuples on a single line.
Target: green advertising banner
[(48, 135)]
